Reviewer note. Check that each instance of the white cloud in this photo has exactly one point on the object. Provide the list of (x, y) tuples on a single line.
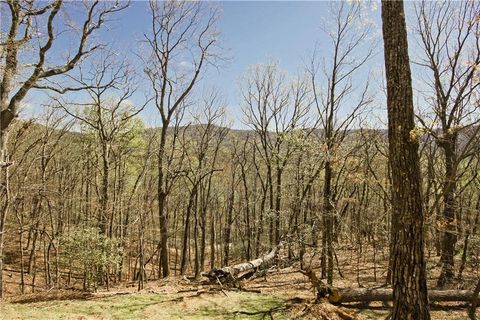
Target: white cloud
[(185, 64), (26, 110)]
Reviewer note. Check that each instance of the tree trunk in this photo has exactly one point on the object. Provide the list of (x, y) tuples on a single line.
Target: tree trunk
[(3, 215), (327, 252), (466, 241), (195, 238), (186, 231), (228, 223), (278, 202), (105, 188), (260, 222), (449, 198), (473, 307), (212, 240), (229, 274), (248, 250), (410, 299), (203, 233), (163, 268)]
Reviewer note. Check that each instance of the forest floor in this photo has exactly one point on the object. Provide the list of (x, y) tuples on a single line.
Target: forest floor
[(282, 293), (177, 298)]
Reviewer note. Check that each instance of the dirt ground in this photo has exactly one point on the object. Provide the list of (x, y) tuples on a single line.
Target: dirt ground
[(281, 293), (284, 294)]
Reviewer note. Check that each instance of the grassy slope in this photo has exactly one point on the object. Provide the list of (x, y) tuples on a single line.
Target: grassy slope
[(146, 306), (163, 306)]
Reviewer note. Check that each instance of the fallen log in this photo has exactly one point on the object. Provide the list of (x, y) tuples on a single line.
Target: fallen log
[(366, 295), (370, 295), (229, 274), (321, 290)]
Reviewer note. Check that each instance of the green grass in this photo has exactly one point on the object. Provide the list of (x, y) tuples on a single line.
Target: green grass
[(160, 307), (147, 306), (114, 307)]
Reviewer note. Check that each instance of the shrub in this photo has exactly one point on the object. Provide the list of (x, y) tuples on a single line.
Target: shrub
[(92, 253)]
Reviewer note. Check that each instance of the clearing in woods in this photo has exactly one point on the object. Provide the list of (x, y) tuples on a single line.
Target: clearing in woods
[(281, 294)]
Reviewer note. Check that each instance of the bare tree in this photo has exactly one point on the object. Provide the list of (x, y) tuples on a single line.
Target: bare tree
[(109, 113), (274, 107), (32, 28), (182, 42), (339, 74), (450, 39), (201, 142)]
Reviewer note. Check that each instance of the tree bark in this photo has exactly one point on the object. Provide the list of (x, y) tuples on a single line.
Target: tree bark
[(105, 187), (449, 194), (228, 223), (410, 299), (3, 219), (467, 237), (475, 300), (163, 268), (228, 274), (327, 251), (186, 231)]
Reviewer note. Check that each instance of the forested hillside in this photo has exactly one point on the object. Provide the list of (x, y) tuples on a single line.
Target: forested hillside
[(303, 187)]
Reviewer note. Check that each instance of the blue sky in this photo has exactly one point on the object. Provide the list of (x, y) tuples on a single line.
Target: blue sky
[(252, 32)]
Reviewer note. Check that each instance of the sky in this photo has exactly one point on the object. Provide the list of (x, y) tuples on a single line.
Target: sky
[(252, 32)]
